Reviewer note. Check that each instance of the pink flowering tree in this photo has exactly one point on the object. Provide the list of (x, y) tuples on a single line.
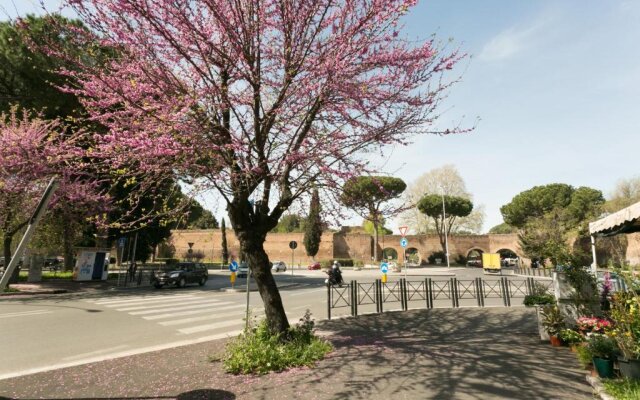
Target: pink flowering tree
[(259, 100), (32, 151)]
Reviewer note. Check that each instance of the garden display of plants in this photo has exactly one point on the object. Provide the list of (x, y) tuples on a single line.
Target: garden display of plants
[(553, 323), (603, 349), (539, 296), (571, 337), (587, 325), (625, 313)]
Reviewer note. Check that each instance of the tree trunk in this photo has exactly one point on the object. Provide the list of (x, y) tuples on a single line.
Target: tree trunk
[(67, 246), (252, 247), (375, 241), (6, 250)]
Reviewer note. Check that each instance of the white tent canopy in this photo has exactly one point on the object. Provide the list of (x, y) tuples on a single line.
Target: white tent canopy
[(626, 220)]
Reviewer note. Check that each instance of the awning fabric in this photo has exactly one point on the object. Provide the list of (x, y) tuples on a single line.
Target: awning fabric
[(626, 220)]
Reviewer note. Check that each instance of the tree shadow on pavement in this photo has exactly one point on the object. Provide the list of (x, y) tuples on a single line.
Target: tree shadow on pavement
[(444, 354)]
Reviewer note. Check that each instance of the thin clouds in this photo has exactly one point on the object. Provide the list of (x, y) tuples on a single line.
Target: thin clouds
[(514, 40)]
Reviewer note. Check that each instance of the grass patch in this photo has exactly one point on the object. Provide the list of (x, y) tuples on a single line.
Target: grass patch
[(10, 290), (256, 351), (622, 389), (47, 275)]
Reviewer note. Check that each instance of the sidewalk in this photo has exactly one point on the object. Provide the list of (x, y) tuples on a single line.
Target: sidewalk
[(420, 354)]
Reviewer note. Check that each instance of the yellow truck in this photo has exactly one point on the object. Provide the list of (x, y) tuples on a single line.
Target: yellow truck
[(491, 263)]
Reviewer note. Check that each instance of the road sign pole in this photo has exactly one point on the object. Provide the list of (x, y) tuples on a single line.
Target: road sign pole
[(292, 256)]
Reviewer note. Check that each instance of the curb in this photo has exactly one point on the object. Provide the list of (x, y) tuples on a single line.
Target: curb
[(598, 388), (29, 293)]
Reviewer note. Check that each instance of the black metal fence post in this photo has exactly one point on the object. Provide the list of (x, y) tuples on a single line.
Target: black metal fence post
[(477, 289), (481, 286), (328, 301), (352, 299), (403, 292), (429, 289), (376, 291), (382, 285), (507, 291), (453, 291)]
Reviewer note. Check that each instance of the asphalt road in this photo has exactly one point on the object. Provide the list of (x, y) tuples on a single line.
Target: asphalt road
[(41, 333)]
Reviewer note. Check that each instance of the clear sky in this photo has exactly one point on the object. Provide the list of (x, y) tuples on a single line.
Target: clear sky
[(555, 85)]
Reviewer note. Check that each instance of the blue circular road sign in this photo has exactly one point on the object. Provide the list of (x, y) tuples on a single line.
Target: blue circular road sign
[(404, 242), (233, 267), (384, 267)]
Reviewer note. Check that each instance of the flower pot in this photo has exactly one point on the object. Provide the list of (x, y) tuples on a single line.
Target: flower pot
[(629, 368), (555, 341), (604, 367)]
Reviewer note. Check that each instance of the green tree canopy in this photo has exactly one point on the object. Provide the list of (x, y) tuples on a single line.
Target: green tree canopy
[(313, 226), (503, 228), (549, 215), (28, 78), (536, 202), (289, 223), (370, 197), (455, 207)]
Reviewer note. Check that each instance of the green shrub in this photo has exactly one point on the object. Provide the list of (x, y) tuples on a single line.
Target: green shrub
[(531, 300), (569, 336), (601, 346), (344, 262), (257, 351), (622, 389), (462, 260), (584, 356)]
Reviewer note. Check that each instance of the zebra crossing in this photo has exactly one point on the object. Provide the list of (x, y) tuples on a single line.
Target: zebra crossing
[(188, 314)]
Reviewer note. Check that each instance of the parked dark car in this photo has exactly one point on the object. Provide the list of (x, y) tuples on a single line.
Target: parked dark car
[(180, 275)]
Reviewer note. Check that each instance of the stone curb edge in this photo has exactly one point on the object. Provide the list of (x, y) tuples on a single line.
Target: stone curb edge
[(598, 388)]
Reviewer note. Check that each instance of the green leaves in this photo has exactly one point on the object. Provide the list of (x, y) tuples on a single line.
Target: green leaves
[(431, 205)]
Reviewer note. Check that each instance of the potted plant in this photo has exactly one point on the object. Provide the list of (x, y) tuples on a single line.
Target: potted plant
[(571, 338), (603, 349), (538, 298), (553, 323), (625, 314)]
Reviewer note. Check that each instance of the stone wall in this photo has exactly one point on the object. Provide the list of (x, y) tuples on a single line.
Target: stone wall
[(357, 246), (209, 241)]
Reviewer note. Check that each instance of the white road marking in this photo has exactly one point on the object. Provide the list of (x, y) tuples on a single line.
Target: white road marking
[(307, 292), (95, 353), (184, 313), (180, 307), (210, 327), (120, 354), (118, 303), (238, 314), (25, 313), (130, 298), (195, 300)]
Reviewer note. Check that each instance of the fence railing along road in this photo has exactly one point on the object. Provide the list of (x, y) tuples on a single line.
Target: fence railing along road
[(403, 294)]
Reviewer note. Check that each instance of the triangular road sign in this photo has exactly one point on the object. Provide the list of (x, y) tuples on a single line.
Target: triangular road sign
[(403, 230)]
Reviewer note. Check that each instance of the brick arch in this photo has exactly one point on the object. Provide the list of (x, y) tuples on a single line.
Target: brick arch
[(397, 253), (476, 248), (508, 249)]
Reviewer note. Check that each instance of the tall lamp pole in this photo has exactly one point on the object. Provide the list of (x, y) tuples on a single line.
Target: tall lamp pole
[(444, 227)]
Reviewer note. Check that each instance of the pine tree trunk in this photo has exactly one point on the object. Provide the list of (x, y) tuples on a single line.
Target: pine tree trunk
[(375, 241)]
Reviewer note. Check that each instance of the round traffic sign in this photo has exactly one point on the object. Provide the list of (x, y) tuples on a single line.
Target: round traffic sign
[(293, 244), (404, 242), (384, 267), (233, 267)]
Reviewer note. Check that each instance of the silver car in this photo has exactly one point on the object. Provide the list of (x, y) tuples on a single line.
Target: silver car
[(279, 266)]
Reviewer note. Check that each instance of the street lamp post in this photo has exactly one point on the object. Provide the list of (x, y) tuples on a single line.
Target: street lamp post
[(444, 228)]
